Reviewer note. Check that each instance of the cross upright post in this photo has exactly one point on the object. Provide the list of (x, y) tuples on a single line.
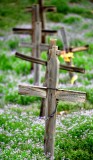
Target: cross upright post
[(43, 101), (52, 84), (35, 18), (42, 17)]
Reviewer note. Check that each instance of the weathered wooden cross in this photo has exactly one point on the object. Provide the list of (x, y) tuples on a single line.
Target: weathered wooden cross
[(42, 62), (68, 53), (36, 44), (42, 10), (52, 94), (37, 16), (38, 47)]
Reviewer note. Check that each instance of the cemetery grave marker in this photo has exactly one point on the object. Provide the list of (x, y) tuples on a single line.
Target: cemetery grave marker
[(42, 10), (37, 16), (68, 53), (36, 45), (52, 94), (37, 32), (42, 62)]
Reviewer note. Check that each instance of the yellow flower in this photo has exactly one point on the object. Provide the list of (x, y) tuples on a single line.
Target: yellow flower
[(67, 56)]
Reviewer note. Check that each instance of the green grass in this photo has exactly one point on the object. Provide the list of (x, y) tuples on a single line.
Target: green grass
[(22, 136), (70, 6), (72, 19), (12, 12)]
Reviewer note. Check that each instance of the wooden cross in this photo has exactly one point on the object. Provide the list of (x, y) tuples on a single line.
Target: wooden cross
[(35, 9), (28, 31), (68, 50), (38, 47), (51, 93), (36, 32), (42, 62), (42, 10)]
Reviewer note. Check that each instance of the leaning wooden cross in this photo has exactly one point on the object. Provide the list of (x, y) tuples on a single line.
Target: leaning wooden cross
[(68, 53), (51, 93)]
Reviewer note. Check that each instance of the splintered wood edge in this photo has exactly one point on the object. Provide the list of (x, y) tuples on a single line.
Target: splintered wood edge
[(32, 90)]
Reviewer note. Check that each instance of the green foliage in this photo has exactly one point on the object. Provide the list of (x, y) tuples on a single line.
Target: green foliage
[(72, 141), (59, 44), (14, 97), (62, 5), (72, 19), (12, 63), (76, 1), (22, 136), (89, 34), (24, 143), (77, 42), (85, 26), (13, 44), (11, 13), (56, 17), (79, 10)]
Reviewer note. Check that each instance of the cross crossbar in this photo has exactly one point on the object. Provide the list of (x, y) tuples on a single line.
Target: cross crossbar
[(32, 90), (43, 62), (61, 94), (71, 96), (28, 31), (45, 8), (45, 47)]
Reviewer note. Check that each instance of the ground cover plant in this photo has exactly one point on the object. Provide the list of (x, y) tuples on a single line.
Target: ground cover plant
[(21, 129)]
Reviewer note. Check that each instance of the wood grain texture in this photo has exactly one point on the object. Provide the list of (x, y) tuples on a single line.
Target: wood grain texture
[(37, 68), (43, 46), (35, 18), (43, 101), (31, 59), (32, 91), (71, 96), (52, 81)]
